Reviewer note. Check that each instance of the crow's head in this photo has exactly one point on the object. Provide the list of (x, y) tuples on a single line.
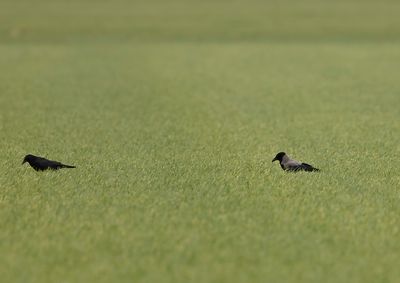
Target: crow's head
[(279, 156), (28, 158)]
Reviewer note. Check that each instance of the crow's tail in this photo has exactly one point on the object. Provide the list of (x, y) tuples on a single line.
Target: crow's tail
[(68, 166)]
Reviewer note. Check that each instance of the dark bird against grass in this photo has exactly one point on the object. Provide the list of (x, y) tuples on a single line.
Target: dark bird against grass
[(288, 164), (40, 163)]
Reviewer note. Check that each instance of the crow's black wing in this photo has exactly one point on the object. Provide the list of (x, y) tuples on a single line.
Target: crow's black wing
[(41, 163), (308, 167), (51, 164), (295, 166), (55, 165), (58, 165)]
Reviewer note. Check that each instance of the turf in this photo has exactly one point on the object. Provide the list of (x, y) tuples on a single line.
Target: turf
[(172, 115)]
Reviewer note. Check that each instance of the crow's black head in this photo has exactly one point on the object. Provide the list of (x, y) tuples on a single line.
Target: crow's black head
[(28, 158), (279, 156)]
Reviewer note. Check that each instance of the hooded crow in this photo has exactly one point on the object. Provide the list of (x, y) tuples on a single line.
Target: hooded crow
[(292, 165), (41, 164)]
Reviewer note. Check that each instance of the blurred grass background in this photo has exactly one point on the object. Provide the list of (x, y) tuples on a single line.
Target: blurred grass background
[(45, 20), (172, 112)]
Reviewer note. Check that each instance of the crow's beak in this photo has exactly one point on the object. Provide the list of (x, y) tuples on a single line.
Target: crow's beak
[(23, 161), (274, 159)]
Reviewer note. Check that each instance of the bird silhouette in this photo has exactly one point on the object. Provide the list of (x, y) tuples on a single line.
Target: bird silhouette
[(41, 164), (292, 165)]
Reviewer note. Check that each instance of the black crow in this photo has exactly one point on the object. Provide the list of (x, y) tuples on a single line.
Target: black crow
[(40, 163), (288, 164)]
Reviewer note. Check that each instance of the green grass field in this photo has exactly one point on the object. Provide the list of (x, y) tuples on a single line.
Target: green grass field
[(172, 112)]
